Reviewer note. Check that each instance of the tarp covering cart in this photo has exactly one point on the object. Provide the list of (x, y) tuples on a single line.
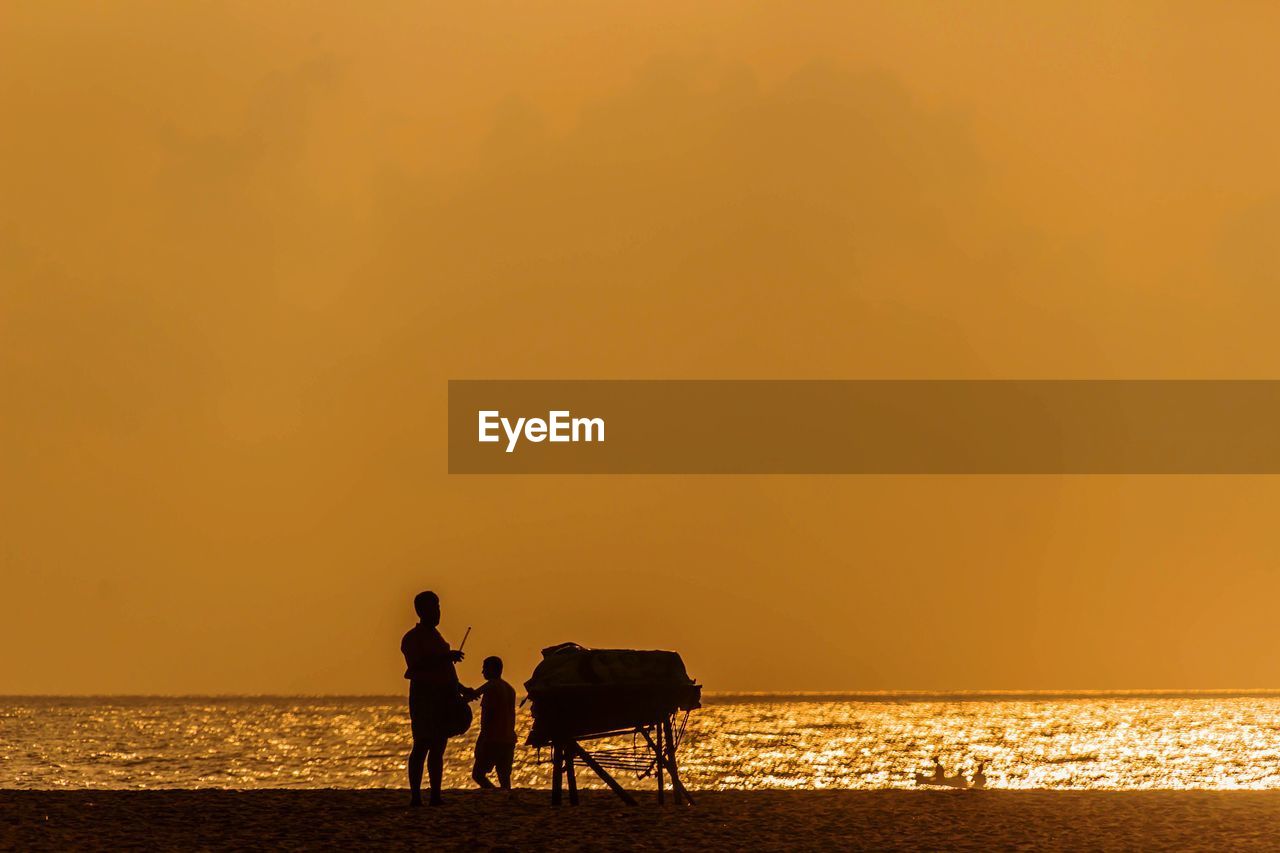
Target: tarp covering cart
[(581, 694)]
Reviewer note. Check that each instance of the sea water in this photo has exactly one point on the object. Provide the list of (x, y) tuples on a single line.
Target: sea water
[(1113, 741)]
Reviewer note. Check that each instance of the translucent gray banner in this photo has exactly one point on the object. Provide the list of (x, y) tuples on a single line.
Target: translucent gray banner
[(864, 427)]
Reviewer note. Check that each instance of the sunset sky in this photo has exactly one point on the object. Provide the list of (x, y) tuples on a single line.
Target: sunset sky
[(243, 247)]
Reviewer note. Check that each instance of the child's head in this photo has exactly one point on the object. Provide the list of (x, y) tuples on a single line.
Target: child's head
[(492, 667)]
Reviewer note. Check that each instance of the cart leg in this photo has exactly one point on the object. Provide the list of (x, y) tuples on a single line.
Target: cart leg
[(571, 778), (657, 763), (557, 767), (677, 786), (575, 748)]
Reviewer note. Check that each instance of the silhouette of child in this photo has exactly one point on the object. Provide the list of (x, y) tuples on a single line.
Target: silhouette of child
[(496, 743)]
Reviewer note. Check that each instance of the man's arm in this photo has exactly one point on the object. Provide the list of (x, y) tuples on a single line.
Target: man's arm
[(416, 658)]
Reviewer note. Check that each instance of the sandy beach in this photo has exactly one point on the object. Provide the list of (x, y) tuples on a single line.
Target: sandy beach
[(764, 820)]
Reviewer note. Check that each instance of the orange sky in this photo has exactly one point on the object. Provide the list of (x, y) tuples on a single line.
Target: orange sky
[(242, 249)]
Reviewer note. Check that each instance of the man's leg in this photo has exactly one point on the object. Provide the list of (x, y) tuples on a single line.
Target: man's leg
[(435, 768), (417, 757)]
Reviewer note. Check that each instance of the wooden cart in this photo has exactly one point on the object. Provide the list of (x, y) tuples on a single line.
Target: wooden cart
[(585, 696)]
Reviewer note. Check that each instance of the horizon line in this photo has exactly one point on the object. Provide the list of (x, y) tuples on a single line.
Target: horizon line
[(724, 697)]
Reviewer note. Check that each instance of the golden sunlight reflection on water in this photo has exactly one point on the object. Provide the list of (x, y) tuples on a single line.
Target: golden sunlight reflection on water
[(778, 742)]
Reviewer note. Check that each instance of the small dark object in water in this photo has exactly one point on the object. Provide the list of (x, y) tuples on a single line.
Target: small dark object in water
[(979, 776), (957, 781)]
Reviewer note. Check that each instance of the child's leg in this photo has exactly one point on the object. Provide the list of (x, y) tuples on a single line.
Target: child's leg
[(504, 759), (483, 764)]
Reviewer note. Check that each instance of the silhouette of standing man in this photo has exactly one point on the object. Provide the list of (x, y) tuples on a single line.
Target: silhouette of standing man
[(433, 688)]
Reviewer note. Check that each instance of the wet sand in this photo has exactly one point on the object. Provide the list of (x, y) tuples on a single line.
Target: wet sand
[(763, 820)]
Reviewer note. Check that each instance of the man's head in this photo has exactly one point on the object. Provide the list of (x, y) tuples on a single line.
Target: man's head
[(428, 606), (492, 667)]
